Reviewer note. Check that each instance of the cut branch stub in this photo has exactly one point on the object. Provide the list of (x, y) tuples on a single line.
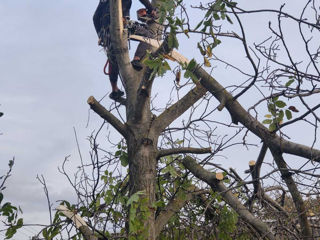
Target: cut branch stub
[(252, 163), (219, 176), (108, 116)]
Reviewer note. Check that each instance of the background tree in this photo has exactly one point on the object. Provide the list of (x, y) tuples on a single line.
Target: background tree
[(158, 183), (9, 214)]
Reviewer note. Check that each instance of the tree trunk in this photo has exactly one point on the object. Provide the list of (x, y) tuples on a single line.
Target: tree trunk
[(142, 171), (141, 143)]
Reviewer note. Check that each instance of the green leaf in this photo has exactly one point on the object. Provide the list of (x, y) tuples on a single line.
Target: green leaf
[(172, 40), (19, 223), (223, 15), (288, 114), (192, 65), (280, 104), (272, 127), (55, 232), (281, 115), (151, 63), (10, 232), (268, 115), (203, 52), (272, 109), (267, 121), (189, 74), (1, 197), (229, 19), (216, 16), (164, 67), (124, 160), (45, 233), (199, 24), (289, 82), (231, 4), (179, 141)]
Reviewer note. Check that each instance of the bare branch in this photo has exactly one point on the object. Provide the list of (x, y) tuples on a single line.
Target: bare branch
[(177, 109), (166, 152), (46, 192), (106, 115), (255, 173)]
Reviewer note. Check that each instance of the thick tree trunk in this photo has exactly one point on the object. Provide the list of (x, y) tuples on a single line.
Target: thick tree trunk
[(142, 171)]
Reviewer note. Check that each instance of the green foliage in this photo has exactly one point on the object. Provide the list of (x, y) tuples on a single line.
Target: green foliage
[(292, 79), (217, 11), (172, 38), (166, 9), (166, 13), (8, 212), (277, 113), (138, 215), (158, 65), (51, 232), (227, 223), (122, 154), (189, 70)]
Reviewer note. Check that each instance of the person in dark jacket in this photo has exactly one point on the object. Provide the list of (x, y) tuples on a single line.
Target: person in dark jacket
[(101, 20)]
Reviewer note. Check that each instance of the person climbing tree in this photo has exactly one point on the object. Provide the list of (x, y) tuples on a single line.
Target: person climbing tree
[(101, 20)]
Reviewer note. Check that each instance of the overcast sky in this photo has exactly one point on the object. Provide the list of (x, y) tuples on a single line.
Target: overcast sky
[(49, 65)]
